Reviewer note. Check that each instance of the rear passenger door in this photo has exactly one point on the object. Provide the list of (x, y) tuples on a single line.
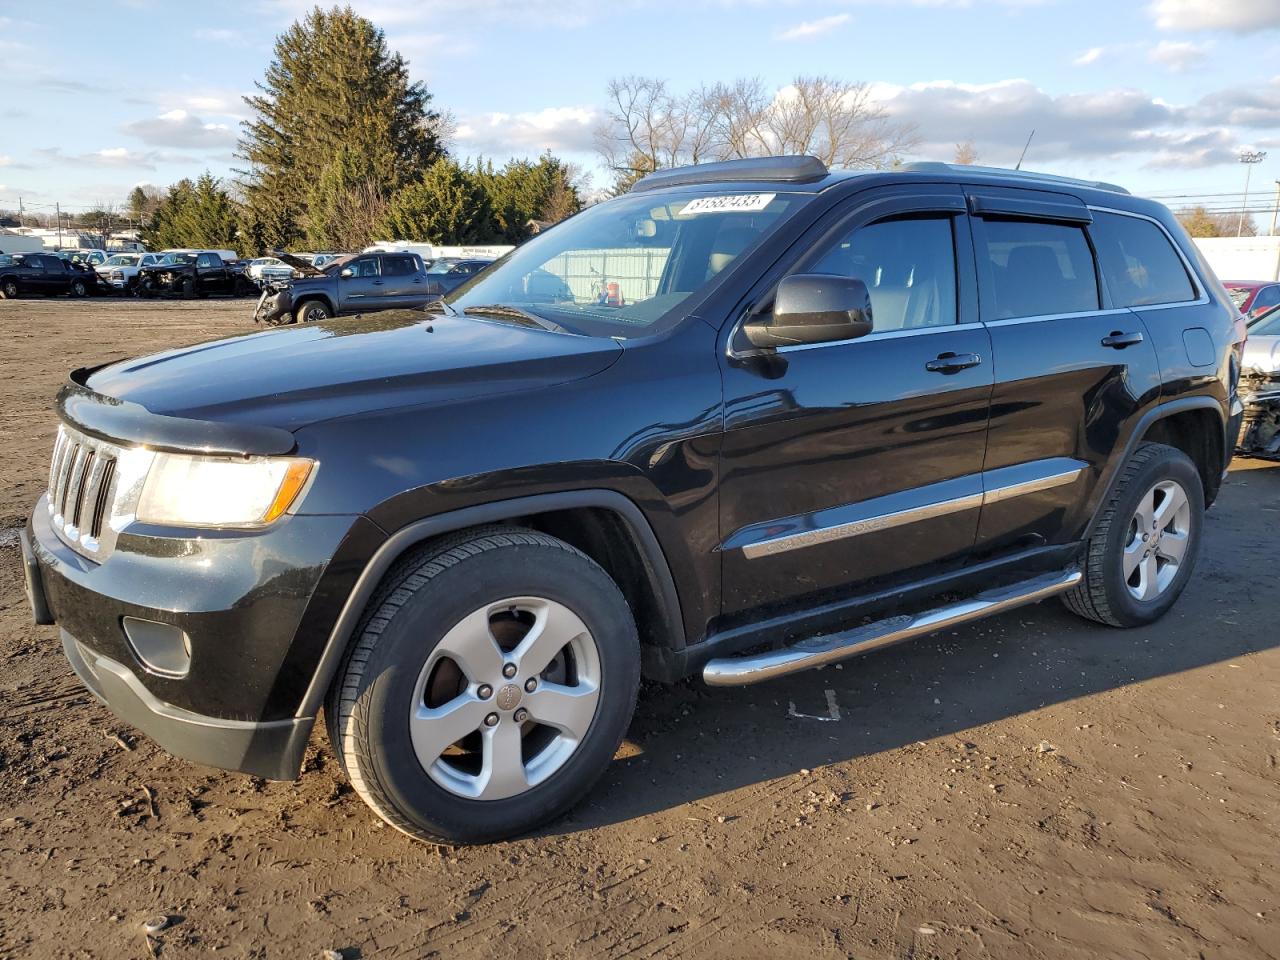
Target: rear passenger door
[(1073, 370), (402, 283)]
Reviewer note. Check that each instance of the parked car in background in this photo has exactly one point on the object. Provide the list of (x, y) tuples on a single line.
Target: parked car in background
[(825, 413), (193, 273), (268, 268), (359, 284), (449, 273), (43, 273), (120, 271), (1253, 297), (1260, 386), (91, 258)]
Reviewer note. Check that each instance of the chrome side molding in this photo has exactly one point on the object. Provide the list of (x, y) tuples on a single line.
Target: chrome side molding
[(816, 651)]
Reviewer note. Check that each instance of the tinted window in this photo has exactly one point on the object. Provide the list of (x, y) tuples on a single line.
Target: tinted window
[(1139, 264), (909, 267), (1038, 269), (204, 260), (398, 266), (1267, 297), (32, 263)]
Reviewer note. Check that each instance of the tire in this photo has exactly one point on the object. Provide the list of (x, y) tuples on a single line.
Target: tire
[(78, 289), (454, 595), (309, 311), (9, 290), (188, 289), (1143, 530)]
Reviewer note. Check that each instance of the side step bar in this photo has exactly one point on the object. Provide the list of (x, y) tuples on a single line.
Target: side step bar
[(815, 651)]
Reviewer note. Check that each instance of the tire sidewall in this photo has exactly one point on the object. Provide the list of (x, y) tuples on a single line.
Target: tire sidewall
[(416, 629), (1169, 464)]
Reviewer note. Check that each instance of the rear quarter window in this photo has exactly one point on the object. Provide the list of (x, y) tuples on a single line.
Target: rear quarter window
[(1138, 261), (1038, 268)]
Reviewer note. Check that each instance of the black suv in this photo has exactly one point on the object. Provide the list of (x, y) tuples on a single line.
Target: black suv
[(709, 427)]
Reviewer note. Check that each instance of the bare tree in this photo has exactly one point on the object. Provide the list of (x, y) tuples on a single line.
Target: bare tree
[(965, 154), (648, 126)]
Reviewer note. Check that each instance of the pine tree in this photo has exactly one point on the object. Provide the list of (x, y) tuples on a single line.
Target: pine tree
[(448, 205), (199, 214), (332, 81)]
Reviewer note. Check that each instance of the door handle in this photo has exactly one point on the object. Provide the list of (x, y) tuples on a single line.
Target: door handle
[(953, 362), (377, 283), (1118, 339)]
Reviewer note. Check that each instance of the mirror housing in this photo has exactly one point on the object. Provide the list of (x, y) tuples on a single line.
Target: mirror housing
[(346, 273), (812, 308)]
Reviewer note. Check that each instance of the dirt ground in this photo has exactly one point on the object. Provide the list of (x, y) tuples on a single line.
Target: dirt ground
[(1028, 787)]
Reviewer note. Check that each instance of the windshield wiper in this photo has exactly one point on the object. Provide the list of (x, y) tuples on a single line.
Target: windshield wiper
[(508, 312)]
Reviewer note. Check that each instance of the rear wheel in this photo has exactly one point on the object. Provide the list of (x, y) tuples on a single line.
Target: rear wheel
[(491, 684), (311, 311), (78, 288), (1142, 551), (9, 290)]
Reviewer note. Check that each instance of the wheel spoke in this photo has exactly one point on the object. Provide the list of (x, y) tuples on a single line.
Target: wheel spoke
[(434, 729), (1173, 546), (1148, 583), (1132, 556), (471, 645), (555, 626), (502, 774), (1174, 500), (569, 709), (1145, 514)]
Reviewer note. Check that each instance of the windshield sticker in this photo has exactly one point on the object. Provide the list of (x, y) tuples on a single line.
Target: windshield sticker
[(737, 203)]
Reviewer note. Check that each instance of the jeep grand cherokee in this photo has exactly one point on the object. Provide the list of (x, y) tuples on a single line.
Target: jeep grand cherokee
[(709, 427)]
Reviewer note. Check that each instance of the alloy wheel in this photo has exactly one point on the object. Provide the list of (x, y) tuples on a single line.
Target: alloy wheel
[(505, 698), (1159, 535)]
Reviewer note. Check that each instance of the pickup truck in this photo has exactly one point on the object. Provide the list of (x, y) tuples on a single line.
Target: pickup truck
[(192, 273), (358, 284), (25, 273)]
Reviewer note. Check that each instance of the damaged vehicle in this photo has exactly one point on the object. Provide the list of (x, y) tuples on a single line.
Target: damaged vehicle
[(194, 273), (1260, 387), (358, 284)]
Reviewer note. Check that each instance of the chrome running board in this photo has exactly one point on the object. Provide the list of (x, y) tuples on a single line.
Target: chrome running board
[(816, 651)]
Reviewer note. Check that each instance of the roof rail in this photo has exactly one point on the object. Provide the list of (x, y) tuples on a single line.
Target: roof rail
[(935, 166), (776, 169)]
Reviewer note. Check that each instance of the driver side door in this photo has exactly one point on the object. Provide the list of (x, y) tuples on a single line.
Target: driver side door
[(364, 284), (854, 465)]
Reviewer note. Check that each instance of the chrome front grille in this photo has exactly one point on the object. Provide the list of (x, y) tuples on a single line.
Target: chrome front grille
[(82, 480)]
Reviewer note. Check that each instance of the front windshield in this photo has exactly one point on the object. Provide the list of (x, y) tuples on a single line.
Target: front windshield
[(620, 268), (171, 259), (1267, 325), (334, 265), (442, 266), (121, 261), (11, 260)]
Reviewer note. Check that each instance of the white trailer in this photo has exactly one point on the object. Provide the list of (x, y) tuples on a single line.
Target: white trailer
[(11, 242), (1242, 259)]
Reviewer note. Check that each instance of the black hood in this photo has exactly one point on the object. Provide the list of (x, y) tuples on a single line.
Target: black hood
[(293, 376)]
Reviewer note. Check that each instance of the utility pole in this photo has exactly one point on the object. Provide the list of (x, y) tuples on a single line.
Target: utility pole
[(1248, 158), (57, 208), (1275, 213)]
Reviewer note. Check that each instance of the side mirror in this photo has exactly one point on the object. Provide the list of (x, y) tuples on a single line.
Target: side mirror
[(346, 273), (812, 308)]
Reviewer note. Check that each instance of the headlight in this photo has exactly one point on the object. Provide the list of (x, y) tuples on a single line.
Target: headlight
[(220, 492)]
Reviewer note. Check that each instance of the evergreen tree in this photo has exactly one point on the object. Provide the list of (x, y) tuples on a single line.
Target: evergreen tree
[(448, 205), (199, 214), (332, 81), (524, 191), (346, 206)]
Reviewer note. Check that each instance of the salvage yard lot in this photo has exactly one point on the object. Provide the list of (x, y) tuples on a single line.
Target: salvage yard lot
[(1029, 786)]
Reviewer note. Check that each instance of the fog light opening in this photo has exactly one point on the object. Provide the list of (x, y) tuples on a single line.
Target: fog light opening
[(161, 647)]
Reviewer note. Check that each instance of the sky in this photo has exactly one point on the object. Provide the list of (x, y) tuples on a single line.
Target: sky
[(1157, 95)]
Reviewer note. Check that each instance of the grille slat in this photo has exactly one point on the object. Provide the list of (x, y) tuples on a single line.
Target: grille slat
[(81, 487)]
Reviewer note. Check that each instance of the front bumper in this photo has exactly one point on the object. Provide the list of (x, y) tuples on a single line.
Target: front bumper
[(247, 603), (274, 303)]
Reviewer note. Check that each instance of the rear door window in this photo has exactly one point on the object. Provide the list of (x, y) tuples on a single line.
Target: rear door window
[(1139, 264), (398, 266), (1036, 269)]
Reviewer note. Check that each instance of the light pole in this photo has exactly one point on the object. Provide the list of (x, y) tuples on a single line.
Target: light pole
[(1248, 158)]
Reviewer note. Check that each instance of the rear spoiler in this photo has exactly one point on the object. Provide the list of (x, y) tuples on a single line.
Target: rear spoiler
[(123, 422)]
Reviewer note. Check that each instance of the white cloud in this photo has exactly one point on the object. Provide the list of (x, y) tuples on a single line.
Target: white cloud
[(1090, 56), (5, 160), (1176, 55), (809, 29), (178, 128), (570, 129), (1242, 16)]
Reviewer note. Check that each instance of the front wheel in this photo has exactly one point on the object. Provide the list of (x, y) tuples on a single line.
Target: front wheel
[(311, 311), (1141, 553), (78, 289), (492, 681), (9, 290), (188, 288)]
